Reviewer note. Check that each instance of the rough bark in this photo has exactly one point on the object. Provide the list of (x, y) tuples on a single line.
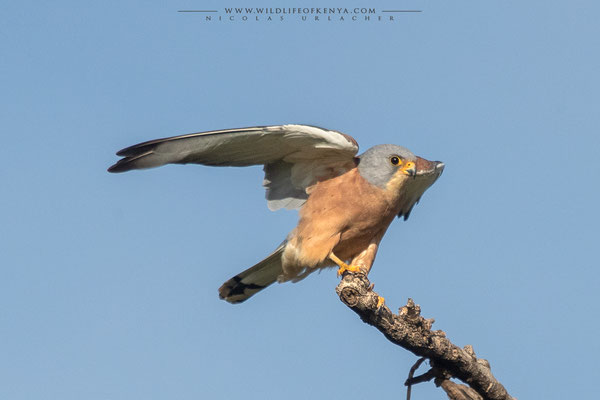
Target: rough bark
[(411, 331)]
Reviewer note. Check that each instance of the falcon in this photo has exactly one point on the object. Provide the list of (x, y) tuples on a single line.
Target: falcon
[(346, 202)]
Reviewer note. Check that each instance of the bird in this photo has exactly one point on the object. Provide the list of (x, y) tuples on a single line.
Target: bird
[(345, 201)]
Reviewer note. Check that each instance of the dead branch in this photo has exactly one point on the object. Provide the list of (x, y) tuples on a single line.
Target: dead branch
[(411, 331)]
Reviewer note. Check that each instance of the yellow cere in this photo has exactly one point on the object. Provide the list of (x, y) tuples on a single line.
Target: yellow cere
[(408, 165)]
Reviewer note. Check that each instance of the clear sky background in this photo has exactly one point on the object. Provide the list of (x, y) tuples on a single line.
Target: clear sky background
[(108, 284)]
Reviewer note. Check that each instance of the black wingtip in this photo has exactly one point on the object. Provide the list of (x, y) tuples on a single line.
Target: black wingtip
[(122, 165), (125, 152)]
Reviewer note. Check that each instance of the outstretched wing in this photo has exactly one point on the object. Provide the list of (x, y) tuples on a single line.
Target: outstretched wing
[(295, 156)]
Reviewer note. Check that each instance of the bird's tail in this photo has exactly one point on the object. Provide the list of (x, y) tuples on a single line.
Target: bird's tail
[(254, 279)]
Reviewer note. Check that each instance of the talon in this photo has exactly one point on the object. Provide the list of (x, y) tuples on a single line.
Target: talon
[(380, 301), (345, 267)]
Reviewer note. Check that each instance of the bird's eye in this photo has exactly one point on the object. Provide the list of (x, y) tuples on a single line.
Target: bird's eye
[(395, 160)]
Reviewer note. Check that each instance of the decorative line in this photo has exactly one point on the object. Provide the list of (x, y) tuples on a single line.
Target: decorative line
[(385, 11)]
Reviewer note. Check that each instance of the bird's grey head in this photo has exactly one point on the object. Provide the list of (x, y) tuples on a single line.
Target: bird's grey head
[(379, 164)]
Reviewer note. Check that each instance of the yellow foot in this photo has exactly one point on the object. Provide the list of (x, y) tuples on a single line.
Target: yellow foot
[(380, 301), (345, 267)]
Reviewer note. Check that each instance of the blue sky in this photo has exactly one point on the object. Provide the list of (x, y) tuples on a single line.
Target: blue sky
[(108, 284)]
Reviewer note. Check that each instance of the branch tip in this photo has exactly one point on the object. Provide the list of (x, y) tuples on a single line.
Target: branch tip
[(413, 332)]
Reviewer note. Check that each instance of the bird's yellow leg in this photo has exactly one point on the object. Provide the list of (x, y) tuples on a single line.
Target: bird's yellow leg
[(343, 266)]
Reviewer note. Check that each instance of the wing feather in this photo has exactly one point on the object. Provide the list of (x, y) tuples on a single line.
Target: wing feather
[(295, 156), (237, 147)]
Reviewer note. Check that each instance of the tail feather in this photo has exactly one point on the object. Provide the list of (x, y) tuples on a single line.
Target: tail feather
[(254, 279)]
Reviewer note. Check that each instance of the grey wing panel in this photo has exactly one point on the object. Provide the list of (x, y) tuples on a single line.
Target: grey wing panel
[(287, 182), (237, 147), (281, 192), (242, 147)]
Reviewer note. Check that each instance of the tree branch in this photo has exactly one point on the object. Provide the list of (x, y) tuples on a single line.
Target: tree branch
[(411, 331)]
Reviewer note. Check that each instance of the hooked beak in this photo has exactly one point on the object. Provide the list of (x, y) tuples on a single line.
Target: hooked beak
[(410, 169)]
